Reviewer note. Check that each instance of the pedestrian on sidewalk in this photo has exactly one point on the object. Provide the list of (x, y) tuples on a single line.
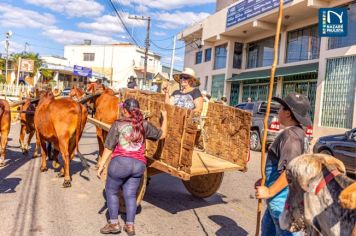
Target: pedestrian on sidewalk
[(224, 101), (131, 83), (290, 143), (188, 96), (125, 144)]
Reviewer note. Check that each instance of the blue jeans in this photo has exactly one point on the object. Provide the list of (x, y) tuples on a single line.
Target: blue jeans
[(270, 226), (126, 173)]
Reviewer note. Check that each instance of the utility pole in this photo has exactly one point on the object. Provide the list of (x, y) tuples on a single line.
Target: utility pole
[(18, 71), (172, 60), (147, 41), (26, 44), (8, 35)]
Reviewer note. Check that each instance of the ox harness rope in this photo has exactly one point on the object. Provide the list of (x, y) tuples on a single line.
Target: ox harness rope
[(321, 184), (326, 180)]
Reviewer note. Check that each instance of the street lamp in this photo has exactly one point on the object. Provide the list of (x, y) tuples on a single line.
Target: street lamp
[(8, 35)]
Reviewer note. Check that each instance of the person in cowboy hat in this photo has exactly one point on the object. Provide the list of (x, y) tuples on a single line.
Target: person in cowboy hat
[(290, 143), (188, 96), (131, 84), (95, 85)]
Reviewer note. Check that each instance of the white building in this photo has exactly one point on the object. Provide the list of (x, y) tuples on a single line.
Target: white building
[(63, 72), (232, 55), (116, 61)]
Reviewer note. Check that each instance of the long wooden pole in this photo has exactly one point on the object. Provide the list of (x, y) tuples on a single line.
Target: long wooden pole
[(270, 92)]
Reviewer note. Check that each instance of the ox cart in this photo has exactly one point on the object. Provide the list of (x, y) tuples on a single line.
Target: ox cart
[(224, 132)]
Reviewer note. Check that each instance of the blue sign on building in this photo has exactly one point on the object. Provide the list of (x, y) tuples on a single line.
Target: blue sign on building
[(332, 22), (248, 9), (82, 71)]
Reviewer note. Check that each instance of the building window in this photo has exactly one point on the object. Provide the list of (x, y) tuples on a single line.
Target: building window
[(198, 57), (350, 39), (260, 53), (303, 44), (237, 55), (217, 86), (207, 54), (206, 83), (339, 93), (88, 56), (220, 57)]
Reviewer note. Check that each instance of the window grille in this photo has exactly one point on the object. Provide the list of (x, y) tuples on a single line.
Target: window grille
[(339, 93)]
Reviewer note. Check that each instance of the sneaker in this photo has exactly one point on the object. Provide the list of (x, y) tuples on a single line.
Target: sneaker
[(111, 229), (129, 229)]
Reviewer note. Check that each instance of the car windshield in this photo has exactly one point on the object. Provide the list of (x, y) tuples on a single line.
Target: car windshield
[(274, 108)]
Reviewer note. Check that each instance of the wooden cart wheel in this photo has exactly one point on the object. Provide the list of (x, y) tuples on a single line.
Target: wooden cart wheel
[(139, 196), (203, 186)]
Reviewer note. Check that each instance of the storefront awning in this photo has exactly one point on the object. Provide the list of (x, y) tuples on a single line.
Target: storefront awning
[(281, 71)]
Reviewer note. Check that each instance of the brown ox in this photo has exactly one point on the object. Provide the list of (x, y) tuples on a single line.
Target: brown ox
[(315, 183), (76, 93), (347, 197), (60, 122), (107, 111), (5, 123), (27, 124)]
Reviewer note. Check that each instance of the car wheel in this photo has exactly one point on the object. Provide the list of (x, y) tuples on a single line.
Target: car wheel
[(255, 141), (327, 152)]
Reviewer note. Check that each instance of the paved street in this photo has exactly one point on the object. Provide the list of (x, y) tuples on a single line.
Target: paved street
[(34, 203)]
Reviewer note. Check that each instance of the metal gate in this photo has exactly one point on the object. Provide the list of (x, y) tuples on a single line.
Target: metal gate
[(339, 93), (257, 92), (234, 96)]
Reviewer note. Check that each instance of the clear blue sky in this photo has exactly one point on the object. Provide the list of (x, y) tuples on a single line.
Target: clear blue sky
[(47, 25)]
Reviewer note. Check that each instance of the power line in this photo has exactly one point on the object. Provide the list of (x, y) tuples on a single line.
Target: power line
[(122, 22), (159, 40), (171, 49)]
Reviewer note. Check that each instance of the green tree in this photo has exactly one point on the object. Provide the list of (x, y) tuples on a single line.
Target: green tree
[(28, 55), (2, 69), (2, 64)]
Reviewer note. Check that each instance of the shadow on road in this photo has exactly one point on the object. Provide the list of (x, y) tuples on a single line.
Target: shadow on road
[(169, 194), (228, 226), (13, 161), (9, 185)]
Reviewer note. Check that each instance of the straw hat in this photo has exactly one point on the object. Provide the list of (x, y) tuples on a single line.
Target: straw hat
[(187, 72), (92, 80)]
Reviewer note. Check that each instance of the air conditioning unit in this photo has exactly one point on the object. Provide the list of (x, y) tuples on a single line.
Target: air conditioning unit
[(87, 42)]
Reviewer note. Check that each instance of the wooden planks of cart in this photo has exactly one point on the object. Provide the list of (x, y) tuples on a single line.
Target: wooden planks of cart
[(224, 132)]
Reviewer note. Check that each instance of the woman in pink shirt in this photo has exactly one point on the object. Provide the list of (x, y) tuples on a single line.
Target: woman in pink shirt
[(125, 144)]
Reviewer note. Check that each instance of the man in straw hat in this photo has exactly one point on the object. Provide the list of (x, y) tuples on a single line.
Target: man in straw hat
[(188, 96), (292, 142), (94, 85)]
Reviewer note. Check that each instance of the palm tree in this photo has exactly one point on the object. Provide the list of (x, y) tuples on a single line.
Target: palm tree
[(28, 55)]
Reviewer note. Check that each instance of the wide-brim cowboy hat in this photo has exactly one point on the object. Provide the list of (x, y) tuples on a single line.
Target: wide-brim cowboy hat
[(299, 105), (93, 79), (187, 72)]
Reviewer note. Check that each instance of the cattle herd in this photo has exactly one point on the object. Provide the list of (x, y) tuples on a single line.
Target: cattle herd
[(317, 203), (58, 125)]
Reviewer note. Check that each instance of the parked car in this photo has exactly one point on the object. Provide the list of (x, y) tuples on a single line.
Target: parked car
[(66, 92), (258, 110), (342, 147)]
